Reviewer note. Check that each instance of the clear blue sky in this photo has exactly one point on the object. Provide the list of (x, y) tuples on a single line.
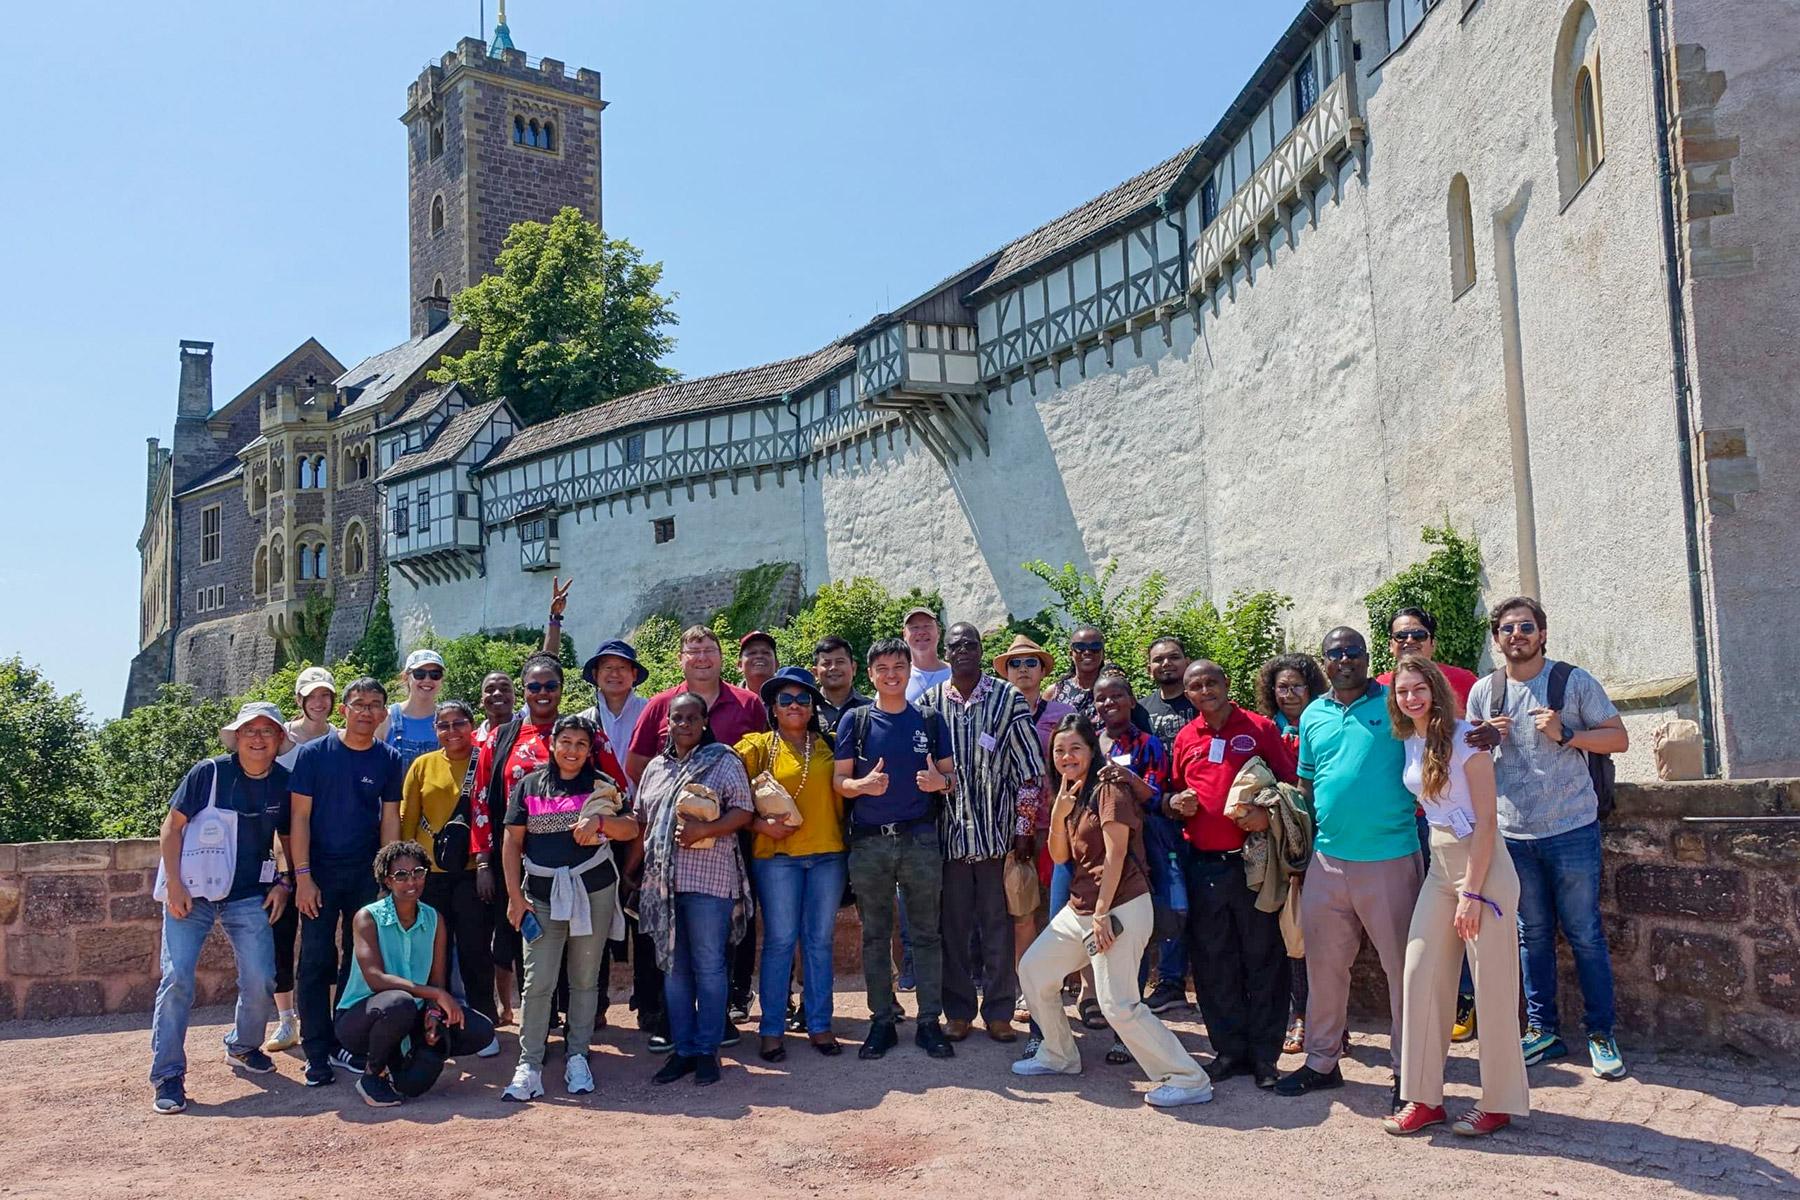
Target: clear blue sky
[(235, 172)]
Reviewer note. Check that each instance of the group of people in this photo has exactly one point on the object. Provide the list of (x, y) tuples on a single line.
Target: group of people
[(1010, 844)]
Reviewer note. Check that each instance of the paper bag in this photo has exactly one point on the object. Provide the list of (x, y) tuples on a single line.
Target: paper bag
[(699, 801)]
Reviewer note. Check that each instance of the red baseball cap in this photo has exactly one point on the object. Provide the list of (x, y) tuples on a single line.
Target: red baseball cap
[(754, 635)]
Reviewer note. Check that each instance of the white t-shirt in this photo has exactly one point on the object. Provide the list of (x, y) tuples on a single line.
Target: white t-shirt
[(919, 682), (1452, 809), (300, 739)]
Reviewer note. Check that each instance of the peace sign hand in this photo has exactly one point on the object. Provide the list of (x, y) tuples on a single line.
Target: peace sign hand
[(559, 595)]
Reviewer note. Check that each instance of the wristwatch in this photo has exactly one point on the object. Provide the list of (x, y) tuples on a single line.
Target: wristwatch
[(1568, 735)]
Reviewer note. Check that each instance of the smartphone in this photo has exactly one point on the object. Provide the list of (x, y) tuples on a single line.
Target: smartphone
[(530, 928), (1091, 946)]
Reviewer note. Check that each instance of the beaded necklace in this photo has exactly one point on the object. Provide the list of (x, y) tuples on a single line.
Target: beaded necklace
[(805, 759)]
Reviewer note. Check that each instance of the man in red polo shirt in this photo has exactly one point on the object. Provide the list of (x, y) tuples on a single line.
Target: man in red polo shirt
[(731, 711), (1244, 984)]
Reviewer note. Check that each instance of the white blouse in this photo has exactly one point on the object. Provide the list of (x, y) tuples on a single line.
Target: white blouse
[(1451, 809)]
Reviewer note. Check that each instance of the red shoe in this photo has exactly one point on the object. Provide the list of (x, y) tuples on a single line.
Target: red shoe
[(1413, 1117), (1476, 1123)]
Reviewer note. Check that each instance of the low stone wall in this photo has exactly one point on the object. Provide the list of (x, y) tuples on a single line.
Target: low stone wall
[(1701, 899)]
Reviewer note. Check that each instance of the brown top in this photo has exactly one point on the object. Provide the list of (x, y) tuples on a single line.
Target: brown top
[(1087, 850)]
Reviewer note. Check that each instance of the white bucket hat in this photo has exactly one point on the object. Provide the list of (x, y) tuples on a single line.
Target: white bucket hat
[(254, 711)]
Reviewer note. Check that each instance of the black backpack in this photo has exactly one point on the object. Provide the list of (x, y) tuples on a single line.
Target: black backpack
[(1600, 766)]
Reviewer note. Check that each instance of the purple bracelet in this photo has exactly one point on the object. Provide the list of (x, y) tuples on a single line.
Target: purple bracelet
[(1484, 900)]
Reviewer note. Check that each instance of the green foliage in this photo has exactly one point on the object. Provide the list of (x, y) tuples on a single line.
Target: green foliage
[(469, 659), (860, 610), (315, 623), (571, 318), (658, 643), (377, 652), (46, 791), (752, 607), (1448, 586), (138, 759)]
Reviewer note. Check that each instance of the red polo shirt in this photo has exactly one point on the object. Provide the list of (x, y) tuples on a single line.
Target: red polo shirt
[(735, 713), (1195, 764)]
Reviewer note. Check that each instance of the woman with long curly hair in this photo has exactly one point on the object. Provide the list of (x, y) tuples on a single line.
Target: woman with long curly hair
[(1470, 898)]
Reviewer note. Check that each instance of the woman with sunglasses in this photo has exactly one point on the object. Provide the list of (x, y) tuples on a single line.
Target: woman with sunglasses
[(411, 725), (798, 871), (694, 900), (438, 791), (1286, 684), (1470, 900), (395, 1009)]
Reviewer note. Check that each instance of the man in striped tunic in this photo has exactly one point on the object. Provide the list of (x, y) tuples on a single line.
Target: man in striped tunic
[(989, 814)]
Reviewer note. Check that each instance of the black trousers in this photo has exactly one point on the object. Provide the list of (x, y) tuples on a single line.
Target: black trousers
[(1241, 973), (974, 906), (469, 927), (287, 934), (325, 949), (743, 956), (378, 1025)]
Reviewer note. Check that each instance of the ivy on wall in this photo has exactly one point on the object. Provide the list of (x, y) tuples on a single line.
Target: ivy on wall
[(1447, 584)]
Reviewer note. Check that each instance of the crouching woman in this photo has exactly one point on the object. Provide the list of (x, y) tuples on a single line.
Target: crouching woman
[(395, 1009)]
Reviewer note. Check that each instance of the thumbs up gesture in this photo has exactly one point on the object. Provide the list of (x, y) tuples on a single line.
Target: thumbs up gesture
[(875, 783)]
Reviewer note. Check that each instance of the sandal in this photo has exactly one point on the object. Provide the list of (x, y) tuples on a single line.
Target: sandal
[(772, 1050), (1119, 1056), (1296, 1036), (1089, 1011)]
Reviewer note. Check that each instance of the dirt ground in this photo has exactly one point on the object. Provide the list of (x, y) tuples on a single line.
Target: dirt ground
[(78, 1124)]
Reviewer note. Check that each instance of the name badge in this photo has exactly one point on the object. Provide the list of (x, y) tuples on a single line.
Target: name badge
[(267, 874), (1215, 751), (986, 742), (1461, 823)]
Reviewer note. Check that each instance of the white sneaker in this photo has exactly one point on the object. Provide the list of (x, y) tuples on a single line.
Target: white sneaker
[(1171, 1096), (577, 1077), (527, 1084), (489, 1050), (285, 1037), (1031, 1066)]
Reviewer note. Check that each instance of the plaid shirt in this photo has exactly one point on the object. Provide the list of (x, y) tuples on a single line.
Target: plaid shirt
[(717, 871), (999, 768), (1149, 761)]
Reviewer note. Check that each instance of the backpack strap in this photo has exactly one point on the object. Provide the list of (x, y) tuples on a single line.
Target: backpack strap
[(1497, 692), (859, 729), (1558, 689)]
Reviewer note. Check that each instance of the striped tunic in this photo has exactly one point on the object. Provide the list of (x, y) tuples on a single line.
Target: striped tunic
[(999, 768)]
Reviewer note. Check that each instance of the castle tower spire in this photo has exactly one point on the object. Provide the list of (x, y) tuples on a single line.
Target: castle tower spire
[(502, 35)]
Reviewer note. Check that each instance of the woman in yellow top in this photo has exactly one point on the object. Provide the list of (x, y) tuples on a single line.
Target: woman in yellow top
[(430, 797), (798, 870)]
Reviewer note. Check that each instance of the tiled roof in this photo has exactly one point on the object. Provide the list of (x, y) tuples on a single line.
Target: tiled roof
[(1133, 195), (421, 404), (670, 400), (452, 438), (379, 374), (231, 468)]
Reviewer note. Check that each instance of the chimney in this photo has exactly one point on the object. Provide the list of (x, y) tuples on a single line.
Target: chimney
[(195, 397), (437, 313)]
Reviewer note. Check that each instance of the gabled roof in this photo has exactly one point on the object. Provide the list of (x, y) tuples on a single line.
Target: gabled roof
[(380, 375), (452, 438), (679, 399), (232, 468), (421, 404), (266, 380)]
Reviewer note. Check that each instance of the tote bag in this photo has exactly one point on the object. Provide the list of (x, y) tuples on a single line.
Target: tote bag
[(208, 851)]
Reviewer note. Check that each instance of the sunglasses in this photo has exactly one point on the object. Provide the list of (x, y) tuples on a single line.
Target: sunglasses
[(1019, 664), (1087, 647), (550, 686), (1339, 653), (405, 876), (1525, 627), (790, 699), (1411, 635), (428, 673), (459, 723)]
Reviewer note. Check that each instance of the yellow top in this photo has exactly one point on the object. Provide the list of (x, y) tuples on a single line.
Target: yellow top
[(433, 783), (821, 809)]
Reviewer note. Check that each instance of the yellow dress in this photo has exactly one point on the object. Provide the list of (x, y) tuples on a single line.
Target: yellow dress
[(821, 809)]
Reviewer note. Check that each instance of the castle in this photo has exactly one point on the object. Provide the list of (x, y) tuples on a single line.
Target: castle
[(1525, 265)]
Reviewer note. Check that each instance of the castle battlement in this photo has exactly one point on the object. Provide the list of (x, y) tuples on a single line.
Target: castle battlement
[(471, 54)]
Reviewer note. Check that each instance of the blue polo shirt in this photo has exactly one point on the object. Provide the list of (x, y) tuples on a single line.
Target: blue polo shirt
[(1356, 765)]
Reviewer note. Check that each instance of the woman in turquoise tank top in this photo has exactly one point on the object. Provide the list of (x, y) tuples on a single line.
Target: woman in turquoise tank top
[(395, 1011)]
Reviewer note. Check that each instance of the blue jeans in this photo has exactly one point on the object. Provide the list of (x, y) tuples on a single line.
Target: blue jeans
[(695, 988), (1559, 884), (1167, 851), (252, 944), (799, 896)]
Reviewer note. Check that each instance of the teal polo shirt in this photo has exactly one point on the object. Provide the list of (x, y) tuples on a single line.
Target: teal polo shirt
[(1356, 764)]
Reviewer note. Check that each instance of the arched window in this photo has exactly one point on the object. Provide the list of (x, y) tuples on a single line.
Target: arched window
[(275, 475), (437, 286), (1587, 123), (549, 136), (262, 570), (437, 214), (519, 131), (1578, 101), (320, 562), (320, 476), (353, 550), (437, 139), (531, 138), (277, 561), (303, 475), (1462, 237), (303, 561), (259, 492), (362, 463)]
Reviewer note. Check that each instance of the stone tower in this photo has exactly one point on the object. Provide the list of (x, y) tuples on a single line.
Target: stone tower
[(492, 139)]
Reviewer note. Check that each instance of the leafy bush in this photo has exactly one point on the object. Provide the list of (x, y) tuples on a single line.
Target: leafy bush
[(1448, 586), (139, 758), (46, 787)]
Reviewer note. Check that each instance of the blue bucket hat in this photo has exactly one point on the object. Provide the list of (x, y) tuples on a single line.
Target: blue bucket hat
[(791, 677), (617, 648)]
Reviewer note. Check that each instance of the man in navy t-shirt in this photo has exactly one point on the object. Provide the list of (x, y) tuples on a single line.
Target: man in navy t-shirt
[(893, 761), (346, 806)]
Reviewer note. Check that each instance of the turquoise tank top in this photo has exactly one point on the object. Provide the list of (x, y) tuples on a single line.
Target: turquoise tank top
[(404, 952)]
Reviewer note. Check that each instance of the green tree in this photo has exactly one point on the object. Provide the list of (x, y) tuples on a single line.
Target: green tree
[(138, 759), (377, 652), (46, 787), (571, 318), (1448, 586)]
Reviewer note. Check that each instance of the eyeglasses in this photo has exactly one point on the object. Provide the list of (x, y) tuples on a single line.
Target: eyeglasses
[(258, 733), (1087, 647), (412, 876), (1290, 689), (428, 673), (1339, 653), (1019, 664), (790, 699), (1411, 635), (552, 685), (963, 644), (1524, 627), (365, 709), (458, 723)]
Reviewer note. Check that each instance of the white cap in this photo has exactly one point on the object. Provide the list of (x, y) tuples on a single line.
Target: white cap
[(424, 658), (311, 680)]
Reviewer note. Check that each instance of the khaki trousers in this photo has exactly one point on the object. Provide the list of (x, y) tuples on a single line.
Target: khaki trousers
[(1434, 955), (1343, 899), (1058, 952)]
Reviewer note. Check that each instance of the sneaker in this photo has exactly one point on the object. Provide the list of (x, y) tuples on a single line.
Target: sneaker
[(706, 1070), (1298, 1083), (1171, 1096), (660, 1043), (881, 1039), (319, 1074), (1165, 997), (1541, 1047), (1476, 1123), (1604, 1053), (796, 1019), (677, 1066), (1413, 1117), (171, 1096), (356, 1064), (732, 1035), (255, 1061), (930, 1038), (489, 1050), (737, 1010), (527, 1084), (377, 1092), (578, 1078), (1295, 1041), (285, 1037), (1032, 1066), (1464, 1028), (907, 981)]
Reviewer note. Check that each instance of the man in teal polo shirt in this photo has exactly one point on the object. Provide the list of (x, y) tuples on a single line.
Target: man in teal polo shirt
[(1365, 869)]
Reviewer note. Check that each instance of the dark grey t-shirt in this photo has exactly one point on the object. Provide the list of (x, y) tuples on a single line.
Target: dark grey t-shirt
[(1544, 788)]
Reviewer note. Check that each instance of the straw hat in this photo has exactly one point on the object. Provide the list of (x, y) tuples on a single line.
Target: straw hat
[(1022, 646)]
